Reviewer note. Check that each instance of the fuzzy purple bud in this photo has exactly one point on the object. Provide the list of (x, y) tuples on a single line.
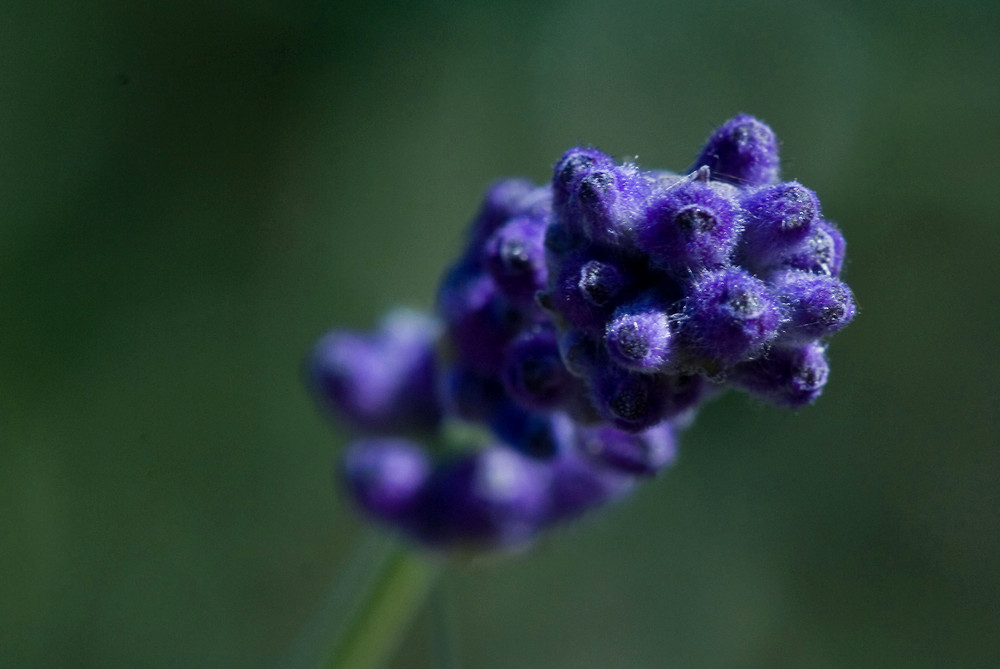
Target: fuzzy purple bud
[(503, 200), (514, 255), (821, 252), (690, 227), (777, 218), (610, 202), (585, 291), (385, 476), (730, 316), (533, 372), (600, 283), (384, 381), (743, 151), (639, 338), (786, 376), (575, 165), (629, 401), (815, 306)]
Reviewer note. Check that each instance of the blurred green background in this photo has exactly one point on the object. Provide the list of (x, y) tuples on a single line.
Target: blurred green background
[(193, 191)]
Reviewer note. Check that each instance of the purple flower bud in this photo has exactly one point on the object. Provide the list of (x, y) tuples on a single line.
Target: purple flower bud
[(778, 218), (381, 382), (479, 321), (610, 202), (533, 372), (638, 337), (493, 497), (514, 256), (585, 291), (502, 201), (730, 316), (743, 151), (629, 401), (600, 283), (641, 454), (815, 306), (786, 376), (821, 252), (572, 168), (689, 227), (386, 477)]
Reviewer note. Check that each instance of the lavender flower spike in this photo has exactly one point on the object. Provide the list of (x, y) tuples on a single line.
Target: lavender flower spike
[(578, 331)]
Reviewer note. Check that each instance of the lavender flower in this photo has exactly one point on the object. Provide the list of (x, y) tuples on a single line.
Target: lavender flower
[(533, 372), (581, 327)]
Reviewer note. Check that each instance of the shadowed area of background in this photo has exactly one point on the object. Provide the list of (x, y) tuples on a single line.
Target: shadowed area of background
[(191, 192)]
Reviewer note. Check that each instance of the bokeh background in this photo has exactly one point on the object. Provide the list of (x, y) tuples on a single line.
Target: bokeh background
[(191, 192)]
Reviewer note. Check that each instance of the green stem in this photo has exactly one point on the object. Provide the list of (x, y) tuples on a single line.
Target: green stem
[(379, 620)]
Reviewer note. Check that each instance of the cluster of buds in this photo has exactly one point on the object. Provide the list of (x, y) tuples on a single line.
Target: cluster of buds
[(581, 327)]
